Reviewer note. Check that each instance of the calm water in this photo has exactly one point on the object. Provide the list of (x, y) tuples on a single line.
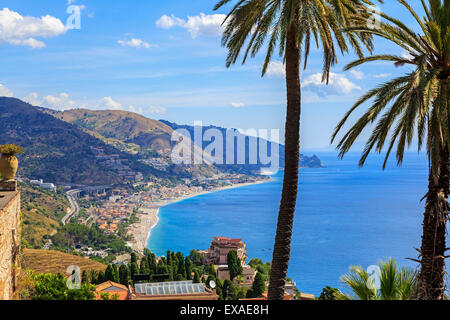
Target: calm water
[(345, 216)]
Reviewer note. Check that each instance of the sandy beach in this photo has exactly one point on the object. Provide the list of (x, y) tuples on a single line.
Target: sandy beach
[(148, 215)]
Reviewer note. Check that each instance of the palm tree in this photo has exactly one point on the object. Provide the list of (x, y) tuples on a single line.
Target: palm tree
[(419, 99), (394, 283), (290, 26)]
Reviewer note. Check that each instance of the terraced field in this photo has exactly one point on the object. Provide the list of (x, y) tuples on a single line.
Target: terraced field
[(49, 261)]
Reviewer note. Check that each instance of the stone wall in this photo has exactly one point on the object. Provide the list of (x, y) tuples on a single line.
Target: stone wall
[(9, 242)]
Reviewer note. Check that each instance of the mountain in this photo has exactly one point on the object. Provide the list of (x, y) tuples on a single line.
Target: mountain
[(137, 135), (84, 147), (305, 161), (57, 151), (125, 130)]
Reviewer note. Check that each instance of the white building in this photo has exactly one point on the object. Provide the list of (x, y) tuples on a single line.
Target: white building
[(43, 185)]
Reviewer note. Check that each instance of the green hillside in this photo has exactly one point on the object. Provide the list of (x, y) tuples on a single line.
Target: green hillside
[(42, 212)]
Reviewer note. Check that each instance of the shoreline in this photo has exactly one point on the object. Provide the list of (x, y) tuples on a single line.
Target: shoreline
[(149, 215)]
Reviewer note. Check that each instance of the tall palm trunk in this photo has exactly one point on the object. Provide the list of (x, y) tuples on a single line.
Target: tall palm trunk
[(431, 277), (282, 248)]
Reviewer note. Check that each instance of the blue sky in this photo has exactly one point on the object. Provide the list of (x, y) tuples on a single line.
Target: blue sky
[(164, 59)]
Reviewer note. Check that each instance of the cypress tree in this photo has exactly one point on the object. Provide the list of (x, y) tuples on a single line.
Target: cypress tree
[(109, 273), (171, 273), (196, 277), (93, 276), (259, 286), (234, 264), (101, 277), (124, 275), (181, 270), (134, 269), (152, 263), (144, 269), (116, 277), (133, 258), (188, 268), (84, 277), (228, 290), (162, 268)]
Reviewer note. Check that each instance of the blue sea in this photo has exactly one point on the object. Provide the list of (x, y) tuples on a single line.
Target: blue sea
[(345, 216)]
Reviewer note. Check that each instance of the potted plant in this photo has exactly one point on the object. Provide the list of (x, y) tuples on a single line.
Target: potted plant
[(8, 161)]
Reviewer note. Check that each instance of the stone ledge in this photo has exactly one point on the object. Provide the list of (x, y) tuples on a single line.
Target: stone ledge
[(6, 198), (8, 185)]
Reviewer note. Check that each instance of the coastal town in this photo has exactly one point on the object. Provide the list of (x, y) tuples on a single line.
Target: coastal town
[(130, 211), (120, 206)]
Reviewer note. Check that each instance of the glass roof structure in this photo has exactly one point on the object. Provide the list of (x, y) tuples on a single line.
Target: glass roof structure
[(169, 288)]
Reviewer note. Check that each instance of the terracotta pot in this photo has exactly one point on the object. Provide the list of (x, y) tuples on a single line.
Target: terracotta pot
[(8, 166)]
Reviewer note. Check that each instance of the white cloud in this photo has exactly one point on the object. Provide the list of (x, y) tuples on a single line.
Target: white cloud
[(238, 104), (30, 42), (5, 92), (276, 69), (155, 109), (33, 99), (61, 101), (406, 55), (382, 75), (109, 103), (149, 109), (337, 85), (21, 30), (135, 43), (201, 25), (166, 22), (133, 109), (357, 74)]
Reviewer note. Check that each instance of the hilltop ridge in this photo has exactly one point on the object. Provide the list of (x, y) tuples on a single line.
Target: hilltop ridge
[(123, 129), (55, 150)]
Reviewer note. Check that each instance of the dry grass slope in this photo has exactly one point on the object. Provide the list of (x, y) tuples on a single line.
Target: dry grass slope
[(120, 128), (48, 261)]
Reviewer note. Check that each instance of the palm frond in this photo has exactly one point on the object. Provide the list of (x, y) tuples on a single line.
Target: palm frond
[(252, 25), (417, 101)]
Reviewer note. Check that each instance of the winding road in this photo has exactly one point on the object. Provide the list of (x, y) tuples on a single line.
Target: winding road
[(75, 208)]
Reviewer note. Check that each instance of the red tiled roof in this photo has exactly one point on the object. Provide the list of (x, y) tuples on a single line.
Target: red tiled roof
[(121, 292)]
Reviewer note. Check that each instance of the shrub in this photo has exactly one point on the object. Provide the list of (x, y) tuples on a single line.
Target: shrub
[(10, 149)]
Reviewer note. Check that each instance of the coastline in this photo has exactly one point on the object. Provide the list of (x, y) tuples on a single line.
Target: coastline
[(149, 215)]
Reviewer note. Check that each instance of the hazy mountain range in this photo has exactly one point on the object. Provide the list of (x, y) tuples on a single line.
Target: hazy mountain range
[(305, 161), (58, 145)]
